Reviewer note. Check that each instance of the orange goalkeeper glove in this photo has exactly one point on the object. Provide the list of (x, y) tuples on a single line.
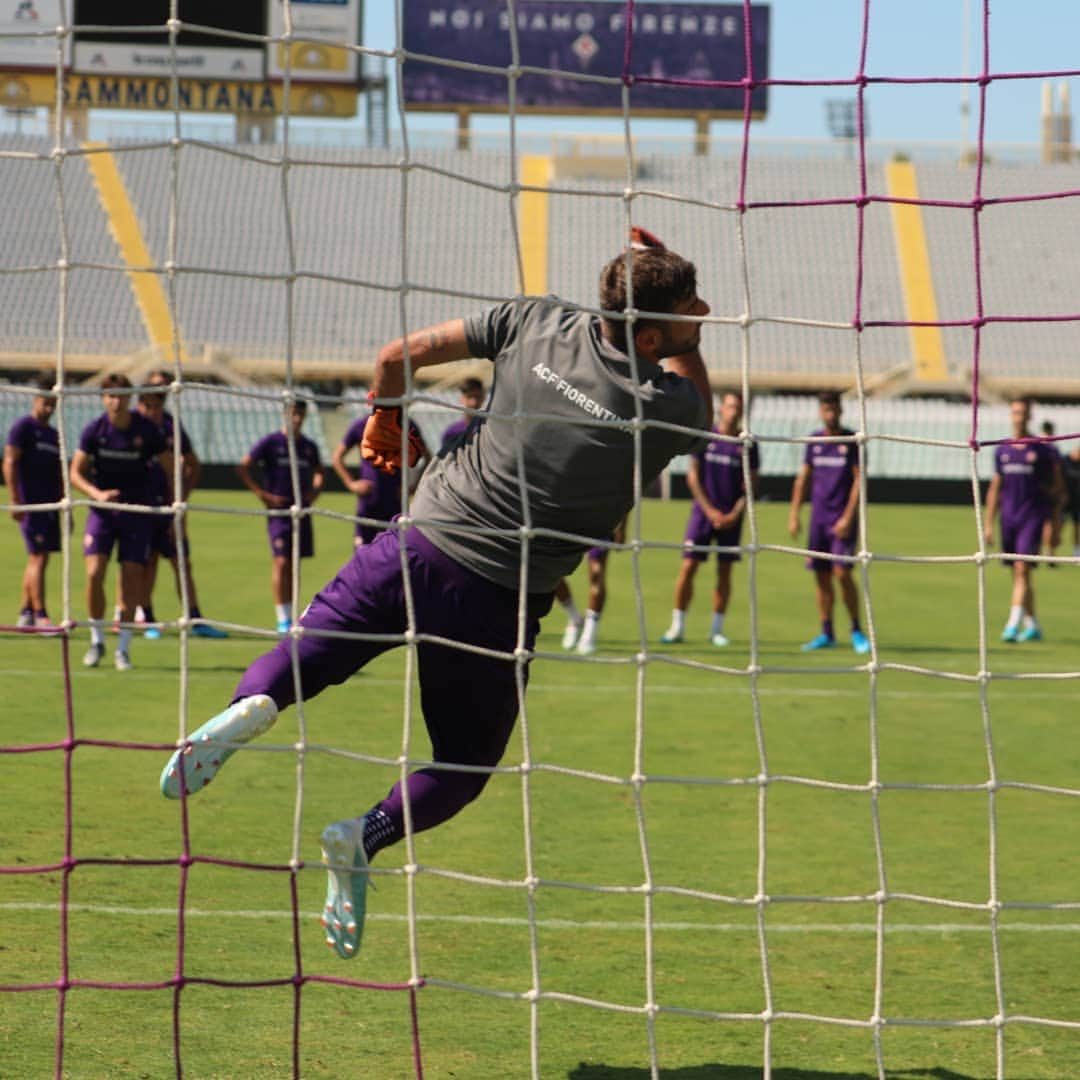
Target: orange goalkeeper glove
[(381, 444)]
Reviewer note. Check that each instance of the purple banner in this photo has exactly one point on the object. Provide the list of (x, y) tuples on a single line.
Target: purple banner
[(677, 53)]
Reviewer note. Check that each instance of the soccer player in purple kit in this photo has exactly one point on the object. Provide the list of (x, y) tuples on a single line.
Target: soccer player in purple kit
[(1026, 484), (378, 494), (464, 551), (33, 473), (596, 562), (271, 456), (472, 397), (831, 472), (163, 527), (717, 483), (110, 466)]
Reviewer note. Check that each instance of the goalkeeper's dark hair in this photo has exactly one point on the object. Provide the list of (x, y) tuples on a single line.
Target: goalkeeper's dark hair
[(115, 381), (661, 280)]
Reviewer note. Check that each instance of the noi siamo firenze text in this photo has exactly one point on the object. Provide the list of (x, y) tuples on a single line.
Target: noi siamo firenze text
[(583, 22)]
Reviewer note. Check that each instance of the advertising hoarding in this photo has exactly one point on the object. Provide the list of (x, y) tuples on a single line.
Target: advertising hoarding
[(27, 37), (673, 53), (324, 25)]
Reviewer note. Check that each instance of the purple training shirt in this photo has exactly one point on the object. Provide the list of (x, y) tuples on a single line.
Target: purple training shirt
[(1027, 476), (720, 472), (38, 471), (271, 454), (158, 482), (832, 473), (120, 456)]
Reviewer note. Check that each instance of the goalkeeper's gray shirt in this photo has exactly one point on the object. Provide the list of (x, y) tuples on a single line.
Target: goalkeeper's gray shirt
[(558, 430)]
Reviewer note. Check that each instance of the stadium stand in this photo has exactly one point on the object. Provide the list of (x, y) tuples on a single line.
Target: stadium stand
[(101, 316), (239, 214), (458, 232), (1027, 264)]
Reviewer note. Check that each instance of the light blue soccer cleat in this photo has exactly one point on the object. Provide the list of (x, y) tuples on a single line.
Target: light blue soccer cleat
[(206, 750), (719, 641), (1010, 634), (205, 630), (346, 886), (1030, 633), (860, 642), (284, 626), (671, 637), (822, 641), (152, 633)]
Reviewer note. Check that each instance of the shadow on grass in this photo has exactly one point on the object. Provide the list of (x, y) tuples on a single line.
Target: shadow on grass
[(716, 1071)]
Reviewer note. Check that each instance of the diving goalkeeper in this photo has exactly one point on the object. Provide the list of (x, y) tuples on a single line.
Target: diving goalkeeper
[(471, 566)]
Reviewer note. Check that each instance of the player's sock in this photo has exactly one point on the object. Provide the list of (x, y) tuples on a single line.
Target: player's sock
[(147, 614), (196, 613), (826, 628), (678, 623), (717, 624), (41, 616), (97, 633), (1016, 613), (1030, 622), (283, 612), (379, 831), (118, 613), (123, 641), (855, 627), (586, 645), (572, 613)]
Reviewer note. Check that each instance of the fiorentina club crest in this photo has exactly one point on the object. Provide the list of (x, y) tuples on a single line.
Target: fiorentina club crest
[(585, 48)]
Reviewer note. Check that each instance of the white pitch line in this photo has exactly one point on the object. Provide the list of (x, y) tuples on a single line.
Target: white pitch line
[(538, 687), (571, 924)]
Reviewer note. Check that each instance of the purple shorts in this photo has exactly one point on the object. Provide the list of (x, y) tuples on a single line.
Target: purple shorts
[(367, 533), (41, 531), (470, 702), (1023, 537), (279, 529), (700, 531), (130, 532), (822, 538), (163, 538)]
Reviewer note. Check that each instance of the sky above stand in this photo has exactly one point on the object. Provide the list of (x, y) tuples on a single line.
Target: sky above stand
[(821, 39)]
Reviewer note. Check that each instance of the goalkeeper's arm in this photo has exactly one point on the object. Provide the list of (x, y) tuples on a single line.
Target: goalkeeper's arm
[(439, 344), (383, 436)]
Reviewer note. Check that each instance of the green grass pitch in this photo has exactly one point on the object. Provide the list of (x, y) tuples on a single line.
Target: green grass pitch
[(703, 837)]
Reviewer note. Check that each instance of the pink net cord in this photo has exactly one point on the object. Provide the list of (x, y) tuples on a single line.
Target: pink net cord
[(299, 979), (64, 983)]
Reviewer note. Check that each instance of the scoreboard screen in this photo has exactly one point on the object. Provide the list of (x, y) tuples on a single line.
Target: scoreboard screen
[(131, 38), (239, 16)]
